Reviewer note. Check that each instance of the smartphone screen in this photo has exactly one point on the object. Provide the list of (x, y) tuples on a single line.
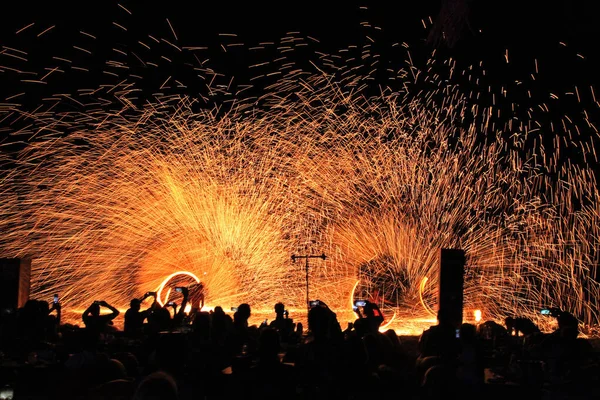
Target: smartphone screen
[(55, 298)]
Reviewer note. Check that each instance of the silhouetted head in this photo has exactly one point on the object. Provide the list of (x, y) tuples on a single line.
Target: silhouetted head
[(279, 308), (268, 344), (218, 310), (130, 362), (439, 381), (391, 334), (135, 304), (444, 317), (201, 325), (568, 325), (157, 385), (468, 332), (319, 320), (43, 307), (95, 309), (509, 323), (30, 308), (368, 310), (110, 370), (243, 312)]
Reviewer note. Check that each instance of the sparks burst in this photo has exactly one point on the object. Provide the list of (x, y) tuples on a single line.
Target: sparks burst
[(110, 201)]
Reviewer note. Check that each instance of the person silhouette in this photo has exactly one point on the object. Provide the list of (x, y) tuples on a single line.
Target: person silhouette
[(282, 323), (180, 314), (94, 321), (134, 318), (520, 325), (369, 319), (438, 345), (157, 385), (241, 332)]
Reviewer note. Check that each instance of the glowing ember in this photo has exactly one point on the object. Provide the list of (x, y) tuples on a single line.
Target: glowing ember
[(477, 315)]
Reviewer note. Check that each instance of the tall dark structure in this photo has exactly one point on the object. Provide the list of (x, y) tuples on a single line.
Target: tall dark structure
[(450, 298), (15, 277)]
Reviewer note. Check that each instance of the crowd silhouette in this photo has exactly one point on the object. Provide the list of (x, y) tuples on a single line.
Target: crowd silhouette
[(176, 351)]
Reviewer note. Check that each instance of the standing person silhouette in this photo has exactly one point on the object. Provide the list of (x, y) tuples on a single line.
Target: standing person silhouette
[(96, 323), (134, 318), (281, 323)]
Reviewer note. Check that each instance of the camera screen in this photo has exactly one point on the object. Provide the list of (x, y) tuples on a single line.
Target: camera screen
[(360, 303), (545, 311), (314, 303)]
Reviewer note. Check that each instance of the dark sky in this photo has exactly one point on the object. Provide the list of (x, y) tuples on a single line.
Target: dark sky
[(531, 26), (528, 29)]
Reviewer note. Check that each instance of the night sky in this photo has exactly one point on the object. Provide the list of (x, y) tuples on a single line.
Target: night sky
[(527, 29)]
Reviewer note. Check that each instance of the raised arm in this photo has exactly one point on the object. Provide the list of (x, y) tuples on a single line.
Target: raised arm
[(86, 313), (57, 307), (180, 313), (114, 313)]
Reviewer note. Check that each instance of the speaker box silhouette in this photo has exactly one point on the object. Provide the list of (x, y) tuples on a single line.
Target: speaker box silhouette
[(15, 277), (450, 297)]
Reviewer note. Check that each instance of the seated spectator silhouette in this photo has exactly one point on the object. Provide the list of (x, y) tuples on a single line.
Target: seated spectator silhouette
[(491, 330), (159, 320), (438, 344), (563, 353), (131, 364), (117, 389), (440, 382), (282, 323), (241, 331), (268, 378), (134, 318), (568, 325), (170, 353), (520, 325), (470, 359), (157, 386), (319, 359), (221, 326), (35, 324), (94, 321)]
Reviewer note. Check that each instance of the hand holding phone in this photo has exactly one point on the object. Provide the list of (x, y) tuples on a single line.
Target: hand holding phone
[(360, 303)]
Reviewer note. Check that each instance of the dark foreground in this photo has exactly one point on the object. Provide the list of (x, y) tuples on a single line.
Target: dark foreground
[(214, 356)]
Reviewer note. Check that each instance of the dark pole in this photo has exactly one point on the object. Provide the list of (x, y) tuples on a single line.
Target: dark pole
[(307, 297), (306, 257)]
